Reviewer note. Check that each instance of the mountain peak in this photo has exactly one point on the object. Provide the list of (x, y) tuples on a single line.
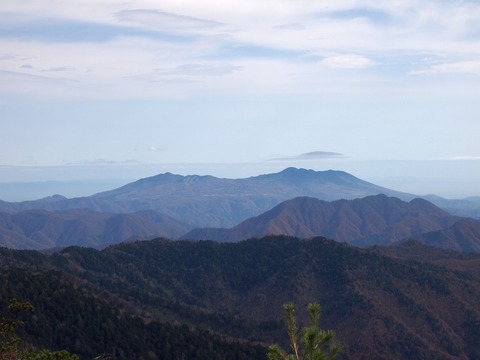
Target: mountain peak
[(218, 202), (293, 174), (376, 219)]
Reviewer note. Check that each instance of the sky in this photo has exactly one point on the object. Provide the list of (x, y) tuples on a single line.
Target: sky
[(101, 93)]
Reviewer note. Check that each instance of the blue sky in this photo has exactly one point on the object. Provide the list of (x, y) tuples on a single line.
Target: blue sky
[(103, 91)]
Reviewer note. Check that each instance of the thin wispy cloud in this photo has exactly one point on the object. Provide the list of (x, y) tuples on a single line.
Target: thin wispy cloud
[(459, 67), (463, 158), (161, 20), (199, 69), (376, 16), (101, 162), (313, 155), (156, 148), (53, 30), (59, 69), (111, 44), (348, 61)]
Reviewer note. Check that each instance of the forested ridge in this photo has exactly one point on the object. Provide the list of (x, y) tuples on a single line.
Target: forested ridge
[(143, 298), (68, 316)]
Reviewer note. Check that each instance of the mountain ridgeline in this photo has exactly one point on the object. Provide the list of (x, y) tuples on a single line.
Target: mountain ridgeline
[(43, 229), (161, 200), (207, 201), (373, 220), (158, 299), (399, 279)]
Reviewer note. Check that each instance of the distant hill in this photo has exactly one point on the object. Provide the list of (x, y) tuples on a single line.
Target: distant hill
[(43, 229), (207, 201), (468, 207), (382, 305), (464, 235), (163, 205), (373, 220)]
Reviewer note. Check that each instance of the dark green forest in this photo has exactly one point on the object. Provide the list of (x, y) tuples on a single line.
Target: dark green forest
[(68, 316), (164, 299)]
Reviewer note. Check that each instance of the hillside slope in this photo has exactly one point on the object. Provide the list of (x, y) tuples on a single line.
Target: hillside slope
[(380, 306), (74, 315), (42, 229), (464, 235), (373, 220)]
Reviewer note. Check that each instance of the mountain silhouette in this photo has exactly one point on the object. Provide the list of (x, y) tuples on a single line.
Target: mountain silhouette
[(43, 229), (373, 220), (208, 201)]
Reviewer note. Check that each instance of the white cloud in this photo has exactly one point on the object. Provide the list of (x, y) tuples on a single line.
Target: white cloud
[(156, 148), (459, 67), (100, 162), (190, 72), (248, 41), (463, 158), (162, 20), (348, 61), (313, 155)]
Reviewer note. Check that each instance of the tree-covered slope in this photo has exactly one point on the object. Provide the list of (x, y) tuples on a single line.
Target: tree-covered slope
[(43, 229), (74, 315), (367, 221), (380, 306)]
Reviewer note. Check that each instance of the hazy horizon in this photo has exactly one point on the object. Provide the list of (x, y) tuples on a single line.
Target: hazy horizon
[(31, 183), (106, 90)]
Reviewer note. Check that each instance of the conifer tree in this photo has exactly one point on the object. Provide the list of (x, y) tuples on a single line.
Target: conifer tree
[(9, 340), (8, 322), (311, 343)]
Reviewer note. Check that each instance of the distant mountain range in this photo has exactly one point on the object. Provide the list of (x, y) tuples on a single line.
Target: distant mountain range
[(373, 220), (209, 201), (402, 300), (170, 206), (42, 229), (468, 207)]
